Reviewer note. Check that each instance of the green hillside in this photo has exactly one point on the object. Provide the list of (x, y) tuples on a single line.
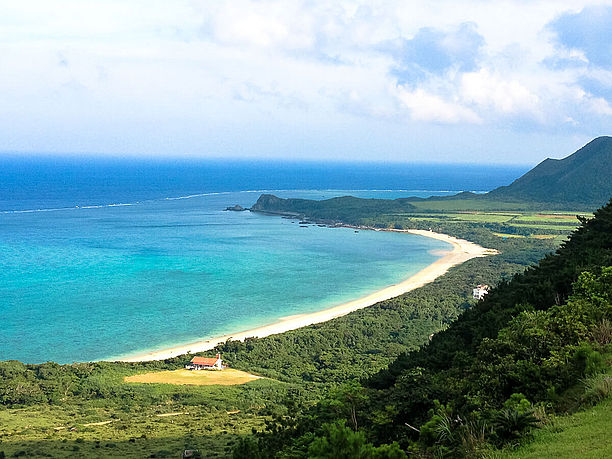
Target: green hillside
[(538, 346), (585, 434), (582, 177), (331, 209)]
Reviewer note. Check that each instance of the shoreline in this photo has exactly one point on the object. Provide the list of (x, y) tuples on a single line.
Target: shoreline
[(461, 252)]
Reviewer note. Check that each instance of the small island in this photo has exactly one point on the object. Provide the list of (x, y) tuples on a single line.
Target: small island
[(236, 208)]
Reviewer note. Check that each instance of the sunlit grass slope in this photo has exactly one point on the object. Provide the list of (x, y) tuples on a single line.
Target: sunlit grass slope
[(587, 434), (227, 377)]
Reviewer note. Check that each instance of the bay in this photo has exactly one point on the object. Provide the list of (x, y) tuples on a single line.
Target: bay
[(96, 279)]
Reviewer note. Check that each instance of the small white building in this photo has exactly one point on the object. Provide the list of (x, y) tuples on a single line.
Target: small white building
[(480, 291), (205, 363)]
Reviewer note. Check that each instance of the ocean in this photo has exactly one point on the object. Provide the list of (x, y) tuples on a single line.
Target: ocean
[(103, 258)]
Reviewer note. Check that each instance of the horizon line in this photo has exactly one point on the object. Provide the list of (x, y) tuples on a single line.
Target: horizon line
[(111, 157)]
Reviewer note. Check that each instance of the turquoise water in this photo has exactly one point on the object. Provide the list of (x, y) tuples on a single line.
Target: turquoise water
[(98, 258), (95, 283)]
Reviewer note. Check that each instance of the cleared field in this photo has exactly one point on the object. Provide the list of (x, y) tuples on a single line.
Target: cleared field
[(508, 235), (556, 216), (535, 219), (482, 217), (468, 204), (504, 223), (227, 377), (545, 226), (561, 220)]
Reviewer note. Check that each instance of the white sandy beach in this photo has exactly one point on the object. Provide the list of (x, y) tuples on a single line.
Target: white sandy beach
[(462, 251)]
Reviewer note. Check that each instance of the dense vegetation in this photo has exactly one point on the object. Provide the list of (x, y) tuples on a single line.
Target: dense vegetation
[(88, 410), (537, 334), (342, 209)]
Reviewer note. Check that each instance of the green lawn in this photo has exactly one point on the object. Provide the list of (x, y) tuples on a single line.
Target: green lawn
[(587, 434)]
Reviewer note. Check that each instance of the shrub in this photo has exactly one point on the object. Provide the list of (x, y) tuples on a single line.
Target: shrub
[(588, 360), (602, 332), (519, 403), (597, 388), (339, 441), (509, 424)]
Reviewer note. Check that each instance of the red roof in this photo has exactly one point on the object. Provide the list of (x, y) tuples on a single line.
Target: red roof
[(208, 361)]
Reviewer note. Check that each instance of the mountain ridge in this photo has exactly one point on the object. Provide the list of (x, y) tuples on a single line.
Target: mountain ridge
[(583, 176), (580, 180)]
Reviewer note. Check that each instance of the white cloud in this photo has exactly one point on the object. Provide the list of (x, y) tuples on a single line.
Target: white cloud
[(429, 107), (306, 66), (504, 96), (260, 24), (600, 106), (592, 104)]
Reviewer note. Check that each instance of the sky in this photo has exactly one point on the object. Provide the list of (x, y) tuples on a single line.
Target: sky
[(414, 81)]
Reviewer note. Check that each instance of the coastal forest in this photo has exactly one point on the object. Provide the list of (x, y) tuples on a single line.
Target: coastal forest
[(538, 345), (525, 372)]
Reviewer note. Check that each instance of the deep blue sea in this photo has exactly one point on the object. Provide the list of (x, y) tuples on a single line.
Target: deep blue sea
[(106, 258)]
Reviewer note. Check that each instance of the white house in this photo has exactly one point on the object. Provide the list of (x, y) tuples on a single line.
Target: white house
[(205, 363), (480, 291)]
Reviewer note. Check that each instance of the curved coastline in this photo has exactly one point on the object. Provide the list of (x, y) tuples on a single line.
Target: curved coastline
[(461, 252)]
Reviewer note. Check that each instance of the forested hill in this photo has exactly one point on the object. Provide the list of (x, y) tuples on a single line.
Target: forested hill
[(547, 284), (582, 177), (344, 208), (536, 346)]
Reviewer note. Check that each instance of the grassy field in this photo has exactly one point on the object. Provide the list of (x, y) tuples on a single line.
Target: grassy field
[(488, 205), (207, 418), (227, 377), (450, 205), (584, 434), (507, 235), (146, 420), (504, 223), (587, 434), (58, 432)]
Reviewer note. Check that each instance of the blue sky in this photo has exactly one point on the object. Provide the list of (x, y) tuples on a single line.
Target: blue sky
[(444, 81)]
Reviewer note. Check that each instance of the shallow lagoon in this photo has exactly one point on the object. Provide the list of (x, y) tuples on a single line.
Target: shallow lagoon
[(94, 283)]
